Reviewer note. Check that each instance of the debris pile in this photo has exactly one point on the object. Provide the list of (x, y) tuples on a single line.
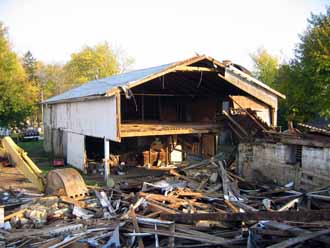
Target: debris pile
[(198, 205)]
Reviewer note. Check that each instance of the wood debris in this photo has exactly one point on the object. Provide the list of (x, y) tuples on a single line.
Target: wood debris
[(204, 204)]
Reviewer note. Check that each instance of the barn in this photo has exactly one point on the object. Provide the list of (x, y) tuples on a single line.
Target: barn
[(177, 108)]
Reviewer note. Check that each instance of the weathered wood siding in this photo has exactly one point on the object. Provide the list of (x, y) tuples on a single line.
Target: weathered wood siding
[(95, 118), (76, 150)]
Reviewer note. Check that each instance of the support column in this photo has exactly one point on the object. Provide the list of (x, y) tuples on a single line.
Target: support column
[(106, 159), (274, 117)]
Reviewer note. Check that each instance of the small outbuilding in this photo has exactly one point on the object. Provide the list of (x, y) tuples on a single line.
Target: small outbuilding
[(154, 116)]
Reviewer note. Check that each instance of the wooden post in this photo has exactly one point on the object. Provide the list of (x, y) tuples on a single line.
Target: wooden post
[(142, 107), (106, 159), (274, 117)]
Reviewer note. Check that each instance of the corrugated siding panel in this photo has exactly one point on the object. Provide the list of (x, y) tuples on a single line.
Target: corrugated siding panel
[(95, 118)]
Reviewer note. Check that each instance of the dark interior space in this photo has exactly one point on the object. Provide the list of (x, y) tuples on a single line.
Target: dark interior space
[(178, 97), (94, 148)]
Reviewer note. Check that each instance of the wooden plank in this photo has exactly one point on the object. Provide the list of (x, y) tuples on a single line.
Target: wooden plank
[(306, 216), (249, 114), (195, 69), (299, 239), (296, 231), (235, 123), (169, 131), (212, 240), (136, 226), (118, 115)]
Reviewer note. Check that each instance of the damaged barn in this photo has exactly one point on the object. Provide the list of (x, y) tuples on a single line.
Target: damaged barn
[(156, 116)]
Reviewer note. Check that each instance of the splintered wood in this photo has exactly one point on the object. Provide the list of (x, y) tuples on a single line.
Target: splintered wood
[(202, 204)]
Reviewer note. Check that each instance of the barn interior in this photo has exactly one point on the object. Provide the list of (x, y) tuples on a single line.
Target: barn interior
[(174, 117)]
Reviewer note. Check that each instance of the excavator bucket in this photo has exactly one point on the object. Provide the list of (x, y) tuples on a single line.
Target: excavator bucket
[(66, 182)]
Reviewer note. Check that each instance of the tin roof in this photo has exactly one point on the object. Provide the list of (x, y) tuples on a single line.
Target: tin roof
[(102, 86)]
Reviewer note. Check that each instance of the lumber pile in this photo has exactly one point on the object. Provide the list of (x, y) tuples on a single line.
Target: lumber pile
[(203, 204)]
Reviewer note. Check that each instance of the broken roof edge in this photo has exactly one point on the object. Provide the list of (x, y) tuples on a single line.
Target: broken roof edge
[(254, 80)]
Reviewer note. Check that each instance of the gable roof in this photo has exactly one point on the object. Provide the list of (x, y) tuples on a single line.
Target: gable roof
[(104, 86)]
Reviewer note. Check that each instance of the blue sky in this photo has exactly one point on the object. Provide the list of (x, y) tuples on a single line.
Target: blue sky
[(157, 32)]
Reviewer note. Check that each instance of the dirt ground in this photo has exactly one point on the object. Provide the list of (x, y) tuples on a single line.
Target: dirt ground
[(10, 177)]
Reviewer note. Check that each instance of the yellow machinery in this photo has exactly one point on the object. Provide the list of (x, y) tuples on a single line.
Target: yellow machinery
[(62, 182)]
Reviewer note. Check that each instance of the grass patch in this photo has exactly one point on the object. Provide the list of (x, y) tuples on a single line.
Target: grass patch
[(36, 152), (44, 160)]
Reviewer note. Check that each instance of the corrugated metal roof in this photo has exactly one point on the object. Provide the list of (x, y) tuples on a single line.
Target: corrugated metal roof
[(101, 86)]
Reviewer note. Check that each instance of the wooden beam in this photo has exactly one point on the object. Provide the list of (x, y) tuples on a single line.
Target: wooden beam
[(136, 226), (118, 114), (211, 240), (106, 159), (302, 216), (195, 69), (304, 142), (235, 123), (296, 231), (249, 114), (293, 241)]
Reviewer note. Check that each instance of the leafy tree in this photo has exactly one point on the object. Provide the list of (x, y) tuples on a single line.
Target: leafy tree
[(17, 94), (265, 66), (91, 63), (306, 79), (52, 77), (313, 58), (30, 66)]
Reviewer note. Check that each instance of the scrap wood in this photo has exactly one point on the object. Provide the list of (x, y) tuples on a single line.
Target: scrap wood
[(289, 205), (69, 200), (249, 114), (136, 226), (17, 213), (175, 173), (236, 123), (45, 231), (296, 231), (159, 207), (299, 239), (308, 216), (162, 232), (280, 233)]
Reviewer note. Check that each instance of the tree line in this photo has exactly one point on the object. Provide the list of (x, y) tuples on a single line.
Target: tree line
[(25, 81), (304, 79)]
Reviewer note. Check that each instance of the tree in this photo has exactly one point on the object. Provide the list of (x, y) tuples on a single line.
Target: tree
[(17, 94), (313, 58), (265, 66), (30, 66), (91, 63), (53, 79), (305, 79)]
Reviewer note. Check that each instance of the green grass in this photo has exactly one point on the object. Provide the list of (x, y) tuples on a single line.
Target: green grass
[(44, 160), (36, 152)]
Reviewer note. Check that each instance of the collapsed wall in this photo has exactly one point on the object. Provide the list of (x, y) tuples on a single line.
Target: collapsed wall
[(308, 167)]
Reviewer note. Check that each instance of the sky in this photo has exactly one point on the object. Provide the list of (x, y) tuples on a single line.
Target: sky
[(157, 32)]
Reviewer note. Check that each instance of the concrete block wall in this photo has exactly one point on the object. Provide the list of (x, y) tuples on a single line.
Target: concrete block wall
[(271, 160), (266, 160), (315, 166)]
